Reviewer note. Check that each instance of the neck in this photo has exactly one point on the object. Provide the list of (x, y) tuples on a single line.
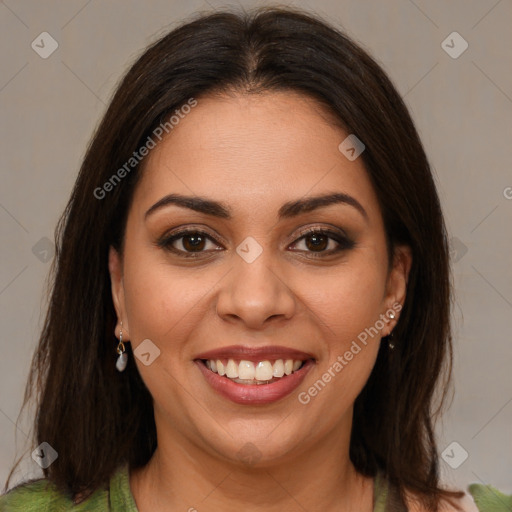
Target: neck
[(182, 476)]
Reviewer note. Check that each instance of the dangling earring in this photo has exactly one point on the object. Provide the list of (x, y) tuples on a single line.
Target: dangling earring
[(122, 360), (391, 345)]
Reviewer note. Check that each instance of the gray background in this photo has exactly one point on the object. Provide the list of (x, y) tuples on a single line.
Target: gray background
[(462, 107)]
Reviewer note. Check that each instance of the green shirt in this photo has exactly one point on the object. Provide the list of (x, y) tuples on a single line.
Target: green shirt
[(41, 496)]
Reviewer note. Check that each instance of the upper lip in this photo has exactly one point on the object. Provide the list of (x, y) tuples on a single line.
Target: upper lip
[(246, 352)]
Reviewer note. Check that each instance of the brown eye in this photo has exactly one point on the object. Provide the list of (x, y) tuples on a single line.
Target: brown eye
[(194, 242), (187, 243), (317, 242)]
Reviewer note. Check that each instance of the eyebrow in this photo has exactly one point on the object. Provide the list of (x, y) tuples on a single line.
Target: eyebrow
[(288, 210)]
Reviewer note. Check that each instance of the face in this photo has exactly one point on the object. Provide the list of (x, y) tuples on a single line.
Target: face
[(250, 282)]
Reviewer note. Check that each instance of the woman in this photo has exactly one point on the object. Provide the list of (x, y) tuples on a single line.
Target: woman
[(251, 299)]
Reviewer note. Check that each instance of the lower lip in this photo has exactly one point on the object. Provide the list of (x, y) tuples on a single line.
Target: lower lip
[(255, 394)]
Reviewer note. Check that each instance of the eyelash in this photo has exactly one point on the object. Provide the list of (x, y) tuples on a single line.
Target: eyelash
[(343, 242)]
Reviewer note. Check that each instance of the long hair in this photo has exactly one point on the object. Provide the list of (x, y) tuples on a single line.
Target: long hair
[(96, 418)]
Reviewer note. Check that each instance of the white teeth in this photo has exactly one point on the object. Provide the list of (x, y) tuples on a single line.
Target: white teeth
[(248, 371), (264, 371), (245, 370), (231, 369), (278, 368)]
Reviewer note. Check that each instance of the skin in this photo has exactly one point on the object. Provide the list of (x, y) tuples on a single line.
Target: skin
[(254, 153)]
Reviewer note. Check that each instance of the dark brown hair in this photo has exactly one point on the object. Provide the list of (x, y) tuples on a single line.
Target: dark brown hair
[(97, 418)]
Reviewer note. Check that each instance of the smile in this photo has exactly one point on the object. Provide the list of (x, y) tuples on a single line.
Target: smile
[(254, 375)]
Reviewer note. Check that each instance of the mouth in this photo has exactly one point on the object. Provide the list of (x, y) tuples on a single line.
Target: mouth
[(254, 376), (251, 373)]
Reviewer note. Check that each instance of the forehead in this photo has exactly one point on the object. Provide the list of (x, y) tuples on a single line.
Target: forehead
[(254, 150)]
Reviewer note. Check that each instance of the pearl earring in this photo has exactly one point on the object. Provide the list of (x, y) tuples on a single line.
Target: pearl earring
[(122, 360)]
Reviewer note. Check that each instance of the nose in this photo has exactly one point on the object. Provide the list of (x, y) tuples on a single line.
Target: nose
[(255, 293)]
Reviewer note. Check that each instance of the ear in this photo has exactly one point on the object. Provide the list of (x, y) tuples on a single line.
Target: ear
[(115, 267), (396, 286)]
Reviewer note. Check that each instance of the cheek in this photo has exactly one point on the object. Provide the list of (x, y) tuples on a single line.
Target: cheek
[(348, 299), (346, 314), (161, 301)]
